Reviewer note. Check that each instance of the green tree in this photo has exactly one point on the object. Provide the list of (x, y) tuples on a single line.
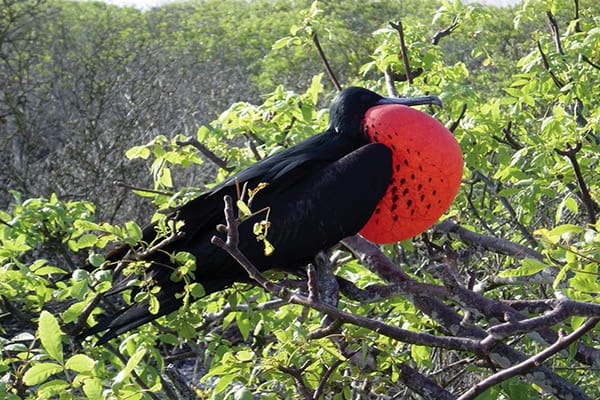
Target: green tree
[(497, 301)]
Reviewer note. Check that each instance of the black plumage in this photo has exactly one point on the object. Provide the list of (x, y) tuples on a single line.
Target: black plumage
[(318, 192)]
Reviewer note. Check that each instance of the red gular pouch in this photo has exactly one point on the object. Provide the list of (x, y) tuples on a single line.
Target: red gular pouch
[(427, 170)]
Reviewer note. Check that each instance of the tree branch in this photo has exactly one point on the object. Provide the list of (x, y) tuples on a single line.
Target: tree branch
[(494, 244), (532, 362), (423, 385), (403, 51), (218, 161), (439, 35), (571, 154), (328, 69)]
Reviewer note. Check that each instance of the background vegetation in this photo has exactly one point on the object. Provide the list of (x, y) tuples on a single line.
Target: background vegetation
[(109, 114)]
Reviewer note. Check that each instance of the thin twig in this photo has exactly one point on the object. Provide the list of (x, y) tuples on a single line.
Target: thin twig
[(559, 84), (555, 32), (571, 154), (218, 161), (460, 117), (328, 69), (403, 51), (141, 189)]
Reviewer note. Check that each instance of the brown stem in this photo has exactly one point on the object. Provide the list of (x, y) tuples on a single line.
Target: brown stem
[(444, 32), (571, 154), (555, 79), (207, 153), (404, 51), (460, 117), (555, 32), (325, 62)]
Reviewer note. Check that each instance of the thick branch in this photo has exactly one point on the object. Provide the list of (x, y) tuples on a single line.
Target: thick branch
[(494, 244), (423, 385), (562, 343)]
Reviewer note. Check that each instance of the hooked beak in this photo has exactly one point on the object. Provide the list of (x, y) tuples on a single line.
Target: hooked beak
[(411, 101)]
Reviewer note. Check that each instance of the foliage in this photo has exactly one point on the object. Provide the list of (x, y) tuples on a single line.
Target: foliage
[(519, 87)]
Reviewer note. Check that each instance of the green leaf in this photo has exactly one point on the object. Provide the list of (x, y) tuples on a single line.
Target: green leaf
[(245, 355), (96, 260), (50, 389), (244, 324), (85, 241), (131, 364), (92, 388), (134, 231), (51, 336), (80, 363), (72, 313), (165, 177), (153, 305), (142, 152), (529, 266), (244, 209), (421, 354), (39, 373), (269, 249), (197, 290)]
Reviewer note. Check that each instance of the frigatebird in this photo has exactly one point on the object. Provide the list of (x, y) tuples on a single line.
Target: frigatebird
[(380, 168)]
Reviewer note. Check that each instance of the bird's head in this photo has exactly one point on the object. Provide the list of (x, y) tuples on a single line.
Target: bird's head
[(348, 109), (426, 159)]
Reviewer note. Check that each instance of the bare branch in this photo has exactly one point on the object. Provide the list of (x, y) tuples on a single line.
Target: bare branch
[(532, 362), (460, 117), (494, 244), (403, 51), (218, 161), (439, 35), (571, 154), (371, 257), (423, 385), (323, 58), (556, 34)]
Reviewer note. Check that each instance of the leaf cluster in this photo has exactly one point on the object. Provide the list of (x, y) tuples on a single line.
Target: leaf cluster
[(512, 272)]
